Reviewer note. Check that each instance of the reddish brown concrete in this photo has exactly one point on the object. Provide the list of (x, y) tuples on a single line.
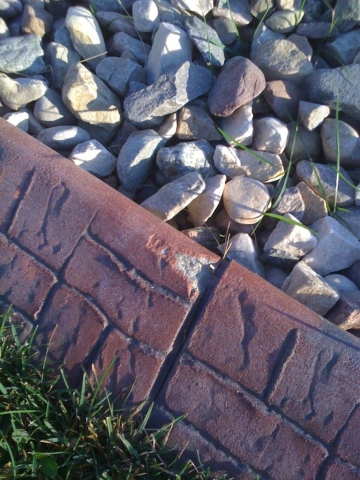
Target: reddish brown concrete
[(269, 388)]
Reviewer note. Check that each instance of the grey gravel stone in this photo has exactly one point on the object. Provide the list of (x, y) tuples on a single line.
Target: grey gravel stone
[(332, 239), (60, 34), (22, 54), (343, 49), (284, 21), (282, 60), (302, 143), (175, 196), (112, 5), (93, 157), (10, 8), (115, 22), (86, 35), (341, 283), (18, 119), (333, 88), (239, 82), (246, 200), (238, 127), (348, 138), (63, 137), (122, 42), (310, 289), (291, 202), (350, 219), (186, 157), (168, 127), (315, 206), (21, 91), (169, 93), (145, 15), (262, 35), (59, 58), (4, 31), (283, 97), (311, 115), (206, 41), (117, 73), (346, 14), (171, 48), (259, 8), (136, 157), (201, 7), (225, 29), (194, 123), (326, 175), (317, 30), (270, 135), (51, 111), (242, 249), (239, 12), (89, 99), (346, 313), (201, 209)]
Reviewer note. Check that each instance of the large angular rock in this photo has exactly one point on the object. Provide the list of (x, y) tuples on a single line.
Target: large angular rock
[(238, 12), (336, 89), (194, 123), (59, 58), (18, 93), (86, 35), (186, 157), (206, 40), (122, 42), (22, 54), (310, 289), (170, 49), (270, 135), (175, 196), (51, 111), (239, 82), (89, 99), (315, 206), (136, 157), (168, 94), (323, 180), (283, 60), (336, 249), (246, 200), (311, 115)]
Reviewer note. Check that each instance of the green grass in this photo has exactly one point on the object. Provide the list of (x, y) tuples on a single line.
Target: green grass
[(51, 430)]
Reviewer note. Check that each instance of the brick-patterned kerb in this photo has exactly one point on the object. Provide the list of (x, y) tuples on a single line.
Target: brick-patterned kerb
[(270, 389)]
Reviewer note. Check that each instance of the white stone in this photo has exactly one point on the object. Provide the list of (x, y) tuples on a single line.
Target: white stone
[(336, 249), (85, 34), (145, 15), (4, 31), (311, 115), (242, 249), (201, 209), (238, 126), (310, 289), (171, 48), (201, 7), (18, 119), (21, 91), (341, 283), (270, 135), (94, 158), (168, 128), (63, 137), (175, 196), (246, 200), (294, 239)]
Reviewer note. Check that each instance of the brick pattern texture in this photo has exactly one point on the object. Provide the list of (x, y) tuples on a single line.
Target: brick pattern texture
[(269, 388)]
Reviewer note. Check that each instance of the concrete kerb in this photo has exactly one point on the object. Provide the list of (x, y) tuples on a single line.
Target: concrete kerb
[(265, 383)]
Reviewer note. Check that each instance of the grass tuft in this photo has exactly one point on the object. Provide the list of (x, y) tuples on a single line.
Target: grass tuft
[(51, 430)]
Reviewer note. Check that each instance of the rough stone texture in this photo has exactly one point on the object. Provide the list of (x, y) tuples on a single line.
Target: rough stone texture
[(334, 89), (336, 249), (307, 287), (51, 111), (201, 209), (122, 42), (348, 143), (36, 20), (185, 157), (346, 313), (18, 93), (283, 97), (282, 60), (270, 135), (22, 54), (242, 249), (117, 73), (238, 127), (89, 99), (145, 15), (239, 82), (345, 194), (185, 84), (194, 123), (59, 58), (94, 158), (311, 115), (175, 196), (63, 137), (233, 10)]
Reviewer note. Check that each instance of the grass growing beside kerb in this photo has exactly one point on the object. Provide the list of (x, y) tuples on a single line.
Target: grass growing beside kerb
[(51, 431)]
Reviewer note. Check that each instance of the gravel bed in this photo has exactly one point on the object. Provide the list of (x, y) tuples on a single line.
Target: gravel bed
[(237, 123)]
